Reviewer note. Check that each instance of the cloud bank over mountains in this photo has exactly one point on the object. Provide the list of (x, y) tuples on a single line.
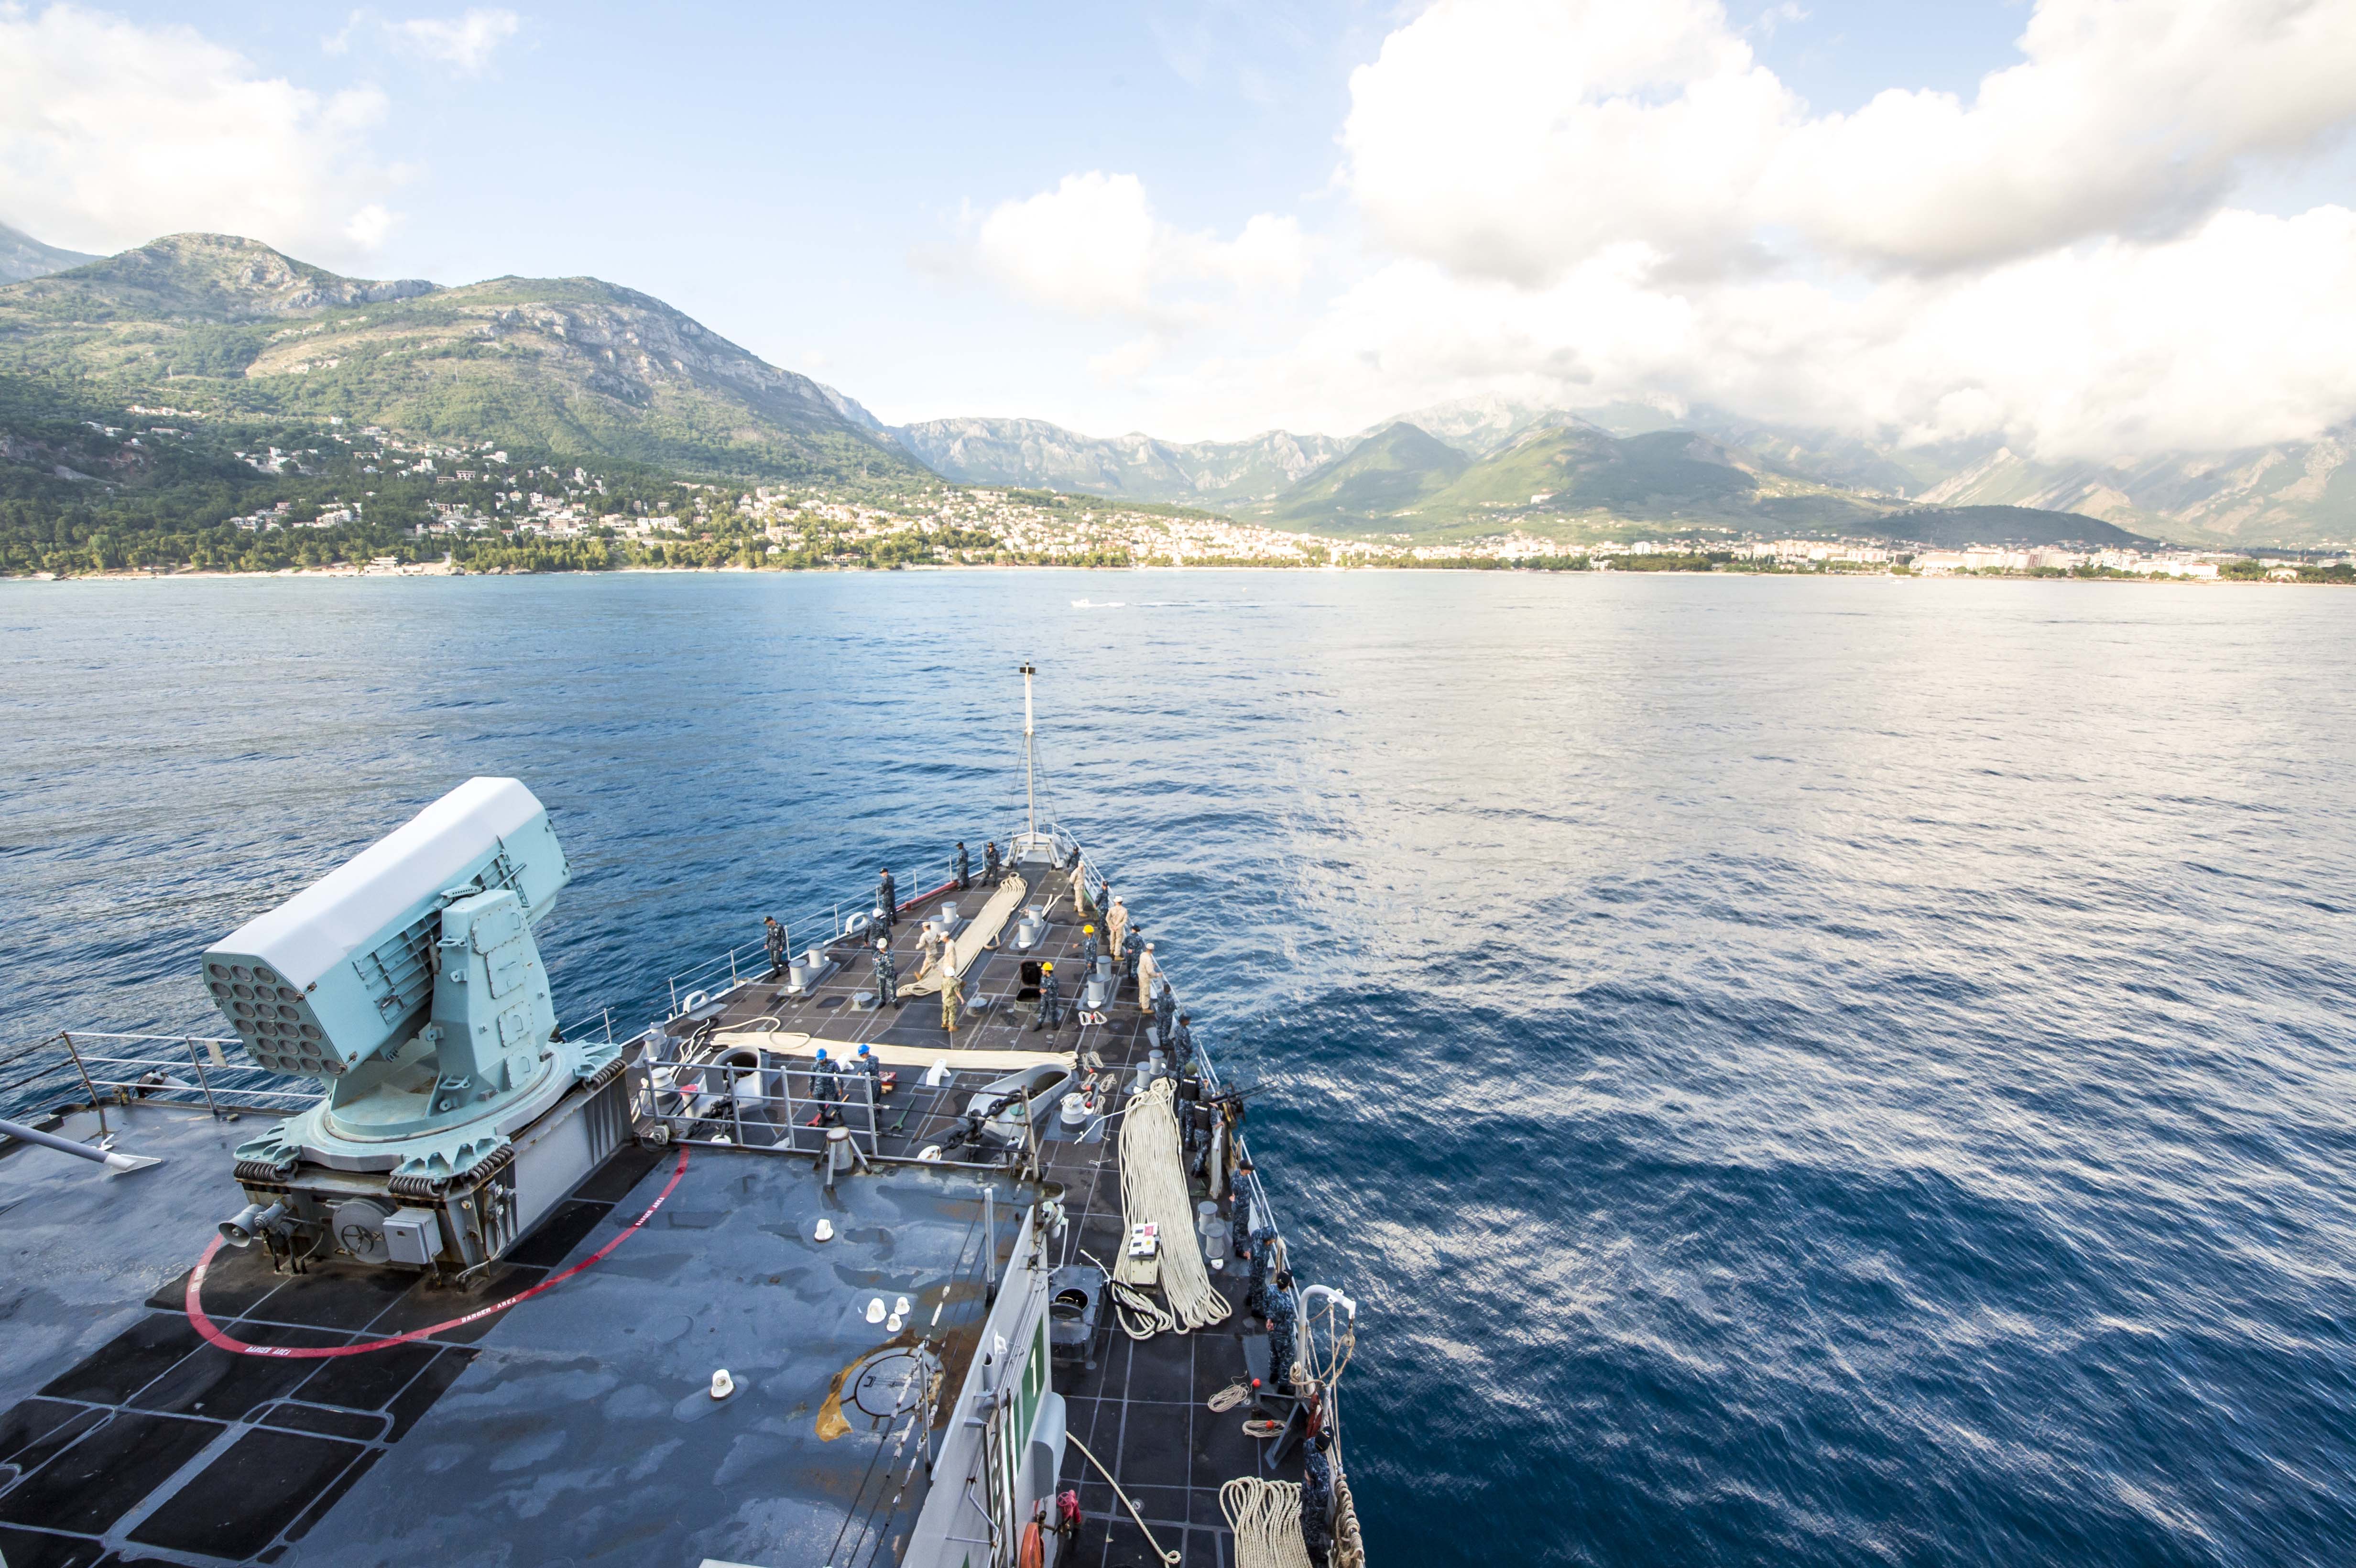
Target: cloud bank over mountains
[(1579, 200), (2087, 255)]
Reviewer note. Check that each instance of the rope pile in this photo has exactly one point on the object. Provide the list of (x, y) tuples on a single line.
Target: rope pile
[(1139, 1315), (1266, 1518), (1153, 1187)]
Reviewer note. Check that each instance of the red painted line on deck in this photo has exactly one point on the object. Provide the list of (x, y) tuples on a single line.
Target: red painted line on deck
[(206, 1327), (923, 899)]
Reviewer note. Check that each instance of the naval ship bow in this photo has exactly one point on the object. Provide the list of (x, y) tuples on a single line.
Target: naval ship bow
[(924, 1234)]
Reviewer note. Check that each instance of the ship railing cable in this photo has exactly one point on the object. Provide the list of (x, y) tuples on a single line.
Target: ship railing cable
[(100, 1067), (1252, 1195), (210, 1073), (1323, 1367), (749, 960)]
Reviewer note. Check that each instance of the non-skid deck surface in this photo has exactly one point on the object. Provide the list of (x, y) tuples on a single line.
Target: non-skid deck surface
[(1141, 1408), (135, 1441), (157, 1447)]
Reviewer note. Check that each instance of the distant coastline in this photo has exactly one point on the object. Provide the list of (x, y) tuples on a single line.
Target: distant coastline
[(2339, 575)]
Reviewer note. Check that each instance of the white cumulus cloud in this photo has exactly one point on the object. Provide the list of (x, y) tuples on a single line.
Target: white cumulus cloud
[(1574, 201), (1093, 247), (1514, 138), (1087, 247), (111, 133), (467, 42), (2240, 332)]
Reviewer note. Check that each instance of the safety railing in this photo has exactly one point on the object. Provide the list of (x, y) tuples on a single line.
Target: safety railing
[(1252, 1203), (600, 1028), (100, 1067), (764, 1105), (749, 960), (777, 1104)]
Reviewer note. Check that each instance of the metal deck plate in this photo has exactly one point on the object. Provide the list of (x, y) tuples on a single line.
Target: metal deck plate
[(576, 1426)]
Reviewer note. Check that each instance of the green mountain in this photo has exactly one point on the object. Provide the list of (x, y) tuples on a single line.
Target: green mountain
[(1566, 478), (1376, 486), (1033, 453), (1576, 468), (1952, 528), (571, 366), (21, 257), (2301, 493)]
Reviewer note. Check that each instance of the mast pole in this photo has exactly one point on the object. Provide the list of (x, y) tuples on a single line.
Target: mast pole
[(1030, 785)]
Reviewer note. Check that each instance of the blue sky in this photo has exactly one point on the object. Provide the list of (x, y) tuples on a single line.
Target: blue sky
[(815, 181)]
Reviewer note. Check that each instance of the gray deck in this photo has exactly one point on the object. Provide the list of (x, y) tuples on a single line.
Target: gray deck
[(1140, 1410), (575, 1426)]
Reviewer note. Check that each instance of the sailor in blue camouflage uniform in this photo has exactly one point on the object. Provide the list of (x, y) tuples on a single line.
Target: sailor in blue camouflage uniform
[(1317, 1500), (964, 868), (887, 901), (1263, 1246), (887, 977), (774, 937), (1051, 1000), (1280, 1315), (826, 1088), (1182, 1041)]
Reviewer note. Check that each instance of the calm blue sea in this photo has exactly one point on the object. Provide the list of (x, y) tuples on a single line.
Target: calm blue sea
[(1794, 1071)]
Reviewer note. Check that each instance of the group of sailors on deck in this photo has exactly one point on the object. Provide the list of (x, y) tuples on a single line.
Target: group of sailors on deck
[(1132, 955)]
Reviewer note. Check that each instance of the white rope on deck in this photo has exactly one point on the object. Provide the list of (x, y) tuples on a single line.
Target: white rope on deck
[(1153, 1187), (1266, 1517), (979, 934)]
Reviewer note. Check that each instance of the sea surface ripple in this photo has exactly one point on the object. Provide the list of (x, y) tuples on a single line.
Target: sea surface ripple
[(1796, 1072)]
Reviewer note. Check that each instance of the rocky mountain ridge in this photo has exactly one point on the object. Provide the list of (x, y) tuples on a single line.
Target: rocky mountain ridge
[(577, 365), (568, 365), (21, 257), (2301, 493), (1035, 454)]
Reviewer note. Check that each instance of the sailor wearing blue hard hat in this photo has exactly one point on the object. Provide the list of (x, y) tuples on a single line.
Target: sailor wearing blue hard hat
[(826, 1088)]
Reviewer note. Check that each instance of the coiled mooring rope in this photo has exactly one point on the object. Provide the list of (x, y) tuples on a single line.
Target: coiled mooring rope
[(1153, 1187), (1349, 1548), (1266, 1517)]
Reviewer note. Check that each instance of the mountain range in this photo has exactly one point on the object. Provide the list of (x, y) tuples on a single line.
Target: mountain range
[(1569, 477), (566, 366), (21, 257), (1803, 478), (1035, 454), (577, 367)]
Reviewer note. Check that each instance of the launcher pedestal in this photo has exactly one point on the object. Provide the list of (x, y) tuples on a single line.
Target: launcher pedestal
[(409, 982)]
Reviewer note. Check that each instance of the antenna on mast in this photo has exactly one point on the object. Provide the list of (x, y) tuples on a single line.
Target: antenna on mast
[(1029, 784)]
